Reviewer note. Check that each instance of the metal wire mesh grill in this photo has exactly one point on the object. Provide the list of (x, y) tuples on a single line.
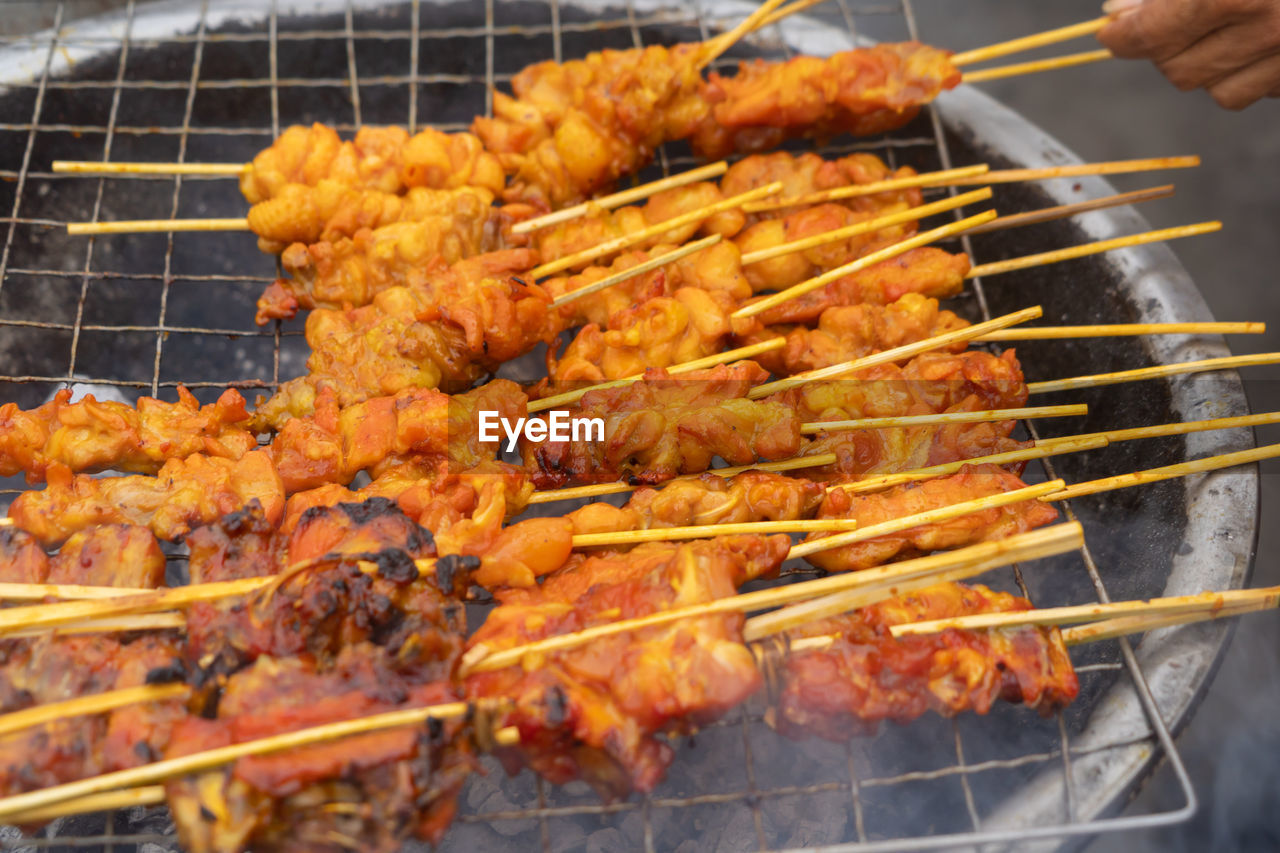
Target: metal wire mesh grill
[(929, 785)]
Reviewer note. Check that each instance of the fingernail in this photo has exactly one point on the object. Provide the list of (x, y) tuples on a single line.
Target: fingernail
[(1120, 7)]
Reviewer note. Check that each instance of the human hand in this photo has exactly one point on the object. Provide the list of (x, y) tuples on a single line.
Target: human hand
[(1229, 47)]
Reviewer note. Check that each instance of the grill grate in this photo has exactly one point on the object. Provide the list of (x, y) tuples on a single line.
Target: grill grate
[(925, 786)]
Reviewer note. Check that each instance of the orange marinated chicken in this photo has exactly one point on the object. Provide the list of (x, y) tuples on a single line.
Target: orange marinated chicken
[(595, 711), (849, 332), (864, 92), (445, 336), (385, 159), (865, 675), (807, 172), (708, 499), (662, 426), (185, 493), (89, 435), (927, 271), (973, 481), (123, 555)]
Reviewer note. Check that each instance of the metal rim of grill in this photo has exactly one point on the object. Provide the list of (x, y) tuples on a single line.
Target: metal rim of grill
[(1066, 787)]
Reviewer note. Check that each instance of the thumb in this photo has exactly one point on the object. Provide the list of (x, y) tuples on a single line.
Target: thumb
[(1155, 29)]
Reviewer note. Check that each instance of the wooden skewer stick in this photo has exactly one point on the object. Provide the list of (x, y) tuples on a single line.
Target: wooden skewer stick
[(725, 357), (482, 659), (13, 809), (658, 228), (817, 460), (910, 214), (1080, 170), (82, 706), (1035, 66), (618, 199), (1114, 330), (718, 45), (1095, 248), (149, 795), (1167, 472), (1019, 45), (944, 177), (90, 167), (706, 531), (1065, 444), (978, 176), (923, 239), (1184, 427), (897, 525), (785, 11), (901, 353), (819, 427), (1063, 211), (1168, 606), (639, 269), (40, 591), (153, 226), (114, 625), (1158, 372), (1120, 626), (1046, 542), (1042, 448)]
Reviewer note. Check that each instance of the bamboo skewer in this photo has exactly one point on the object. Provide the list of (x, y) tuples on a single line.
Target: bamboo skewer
[(658, 228), (149, 795), (1114, 330), (901, 353), (978, 175), (795, 463), (819, 427), (14, 809), (1063, 211), (1120, 626), (910, 214), (897, 525), (1041, 449), (1161, 371), (155, 226), (1025, 43), (482, 659), (618, 199), (1174, 605), (718, 45), (639, 269), (97, 703), (900, 578), (1035, 66), (1167, 472), (944, 177), (923, 239), (89, 167), (1086, 249)]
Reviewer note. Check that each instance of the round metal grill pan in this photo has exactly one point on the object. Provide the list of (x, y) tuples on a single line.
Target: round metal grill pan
[(141, 314)]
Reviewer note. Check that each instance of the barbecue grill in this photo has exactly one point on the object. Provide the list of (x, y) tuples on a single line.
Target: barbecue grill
[(125, 316)]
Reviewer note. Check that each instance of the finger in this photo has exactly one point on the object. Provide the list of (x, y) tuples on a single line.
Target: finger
[(1161, 29), (1217, 56), (1251, 84)]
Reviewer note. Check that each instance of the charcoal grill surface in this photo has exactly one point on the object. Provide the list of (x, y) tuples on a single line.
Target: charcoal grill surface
[(125, 316)]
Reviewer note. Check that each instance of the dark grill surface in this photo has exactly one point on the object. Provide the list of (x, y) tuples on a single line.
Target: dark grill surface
[(142, 314)]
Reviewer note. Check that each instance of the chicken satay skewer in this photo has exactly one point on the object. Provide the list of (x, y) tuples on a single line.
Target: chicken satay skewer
[(839, 603), (484, 660), (14, 808), (132, 601), (980, 175)]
